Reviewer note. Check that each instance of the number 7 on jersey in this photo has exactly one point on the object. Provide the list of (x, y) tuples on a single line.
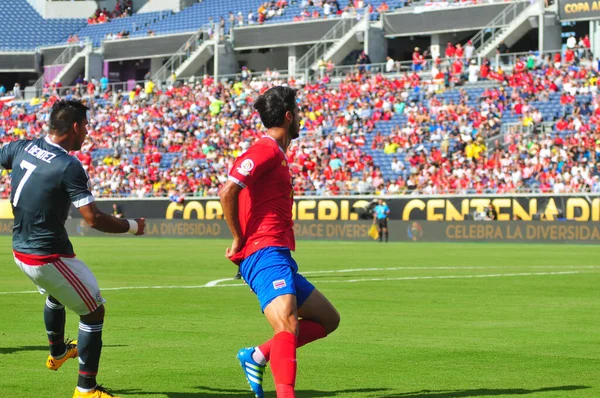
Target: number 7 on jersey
[(25, 165)]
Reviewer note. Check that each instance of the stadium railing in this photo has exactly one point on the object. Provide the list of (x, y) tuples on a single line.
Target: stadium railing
[(507, 61), (182, 55), (301, 76), (512, 58), (509, 132), (426, 193)]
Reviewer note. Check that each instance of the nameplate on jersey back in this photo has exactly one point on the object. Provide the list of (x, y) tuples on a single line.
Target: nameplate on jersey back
[(39, 153)]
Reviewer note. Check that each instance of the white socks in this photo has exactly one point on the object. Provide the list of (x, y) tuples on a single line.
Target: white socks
[(86, 389), (258, 357)]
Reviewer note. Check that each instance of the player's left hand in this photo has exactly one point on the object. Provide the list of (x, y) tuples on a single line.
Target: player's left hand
[(236, 246)]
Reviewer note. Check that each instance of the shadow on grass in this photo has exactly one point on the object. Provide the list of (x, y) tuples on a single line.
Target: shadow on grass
[(207, 392), (480, 392), (26, 348)]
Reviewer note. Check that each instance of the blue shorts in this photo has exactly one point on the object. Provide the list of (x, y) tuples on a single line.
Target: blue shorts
[(272, 272)]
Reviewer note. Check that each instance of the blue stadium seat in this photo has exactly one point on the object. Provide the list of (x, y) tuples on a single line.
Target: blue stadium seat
[(24, 29), (137, 24)]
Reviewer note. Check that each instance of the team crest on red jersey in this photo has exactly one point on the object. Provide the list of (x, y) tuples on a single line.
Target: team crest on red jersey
[(246, 167)]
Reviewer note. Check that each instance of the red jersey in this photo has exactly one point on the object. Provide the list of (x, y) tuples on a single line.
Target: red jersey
[(265, 205)]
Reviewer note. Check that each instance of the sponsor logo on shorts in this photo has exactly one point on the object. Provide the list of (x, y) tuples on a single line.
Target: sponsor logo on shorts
[(280, 284), (246, 167)]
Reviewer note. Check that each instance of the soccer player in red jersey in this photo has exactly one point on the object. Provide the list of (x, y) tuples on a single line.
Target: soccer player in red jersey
[(257, 202)]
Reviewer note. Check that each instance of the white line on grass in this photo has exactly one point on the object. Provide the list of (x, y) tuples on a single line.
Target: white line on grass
[(216, 282), (439, 268), (406, 278)]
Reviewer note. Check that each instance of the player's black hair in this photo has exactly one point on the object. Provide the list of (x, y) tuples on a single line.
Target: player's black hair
[(273, 105), (64, 113)]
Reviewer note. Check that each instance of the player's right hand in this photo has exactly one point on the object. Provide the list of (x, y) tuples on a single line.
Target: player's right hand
[(236, 246), (141, 226)]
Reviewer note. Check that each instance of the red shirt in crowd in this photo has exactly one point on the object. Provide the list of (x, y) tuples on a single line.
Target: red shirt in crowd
[(457, 67), (569, 56)]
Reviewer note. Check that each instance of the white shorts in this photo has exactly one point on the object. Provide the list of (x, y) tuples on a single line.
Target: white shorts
[(69, 281)]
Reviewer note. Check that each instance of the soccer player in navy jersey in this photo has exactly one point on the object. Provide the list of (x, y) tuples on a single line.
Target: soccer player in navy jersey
[(257, 202), (46, 180)]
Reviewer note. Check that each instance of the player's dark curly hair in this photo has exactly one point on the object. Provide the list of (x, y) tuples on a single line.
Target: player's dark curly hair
[(273, 105), (64, 113)]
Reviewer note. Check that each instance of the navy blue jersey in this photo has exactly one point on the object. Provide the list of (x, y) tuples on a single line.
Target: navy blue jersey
[(45, 181)]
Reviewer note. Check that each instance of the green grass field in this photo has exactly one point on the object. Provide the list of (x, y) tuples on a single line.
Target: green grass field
[(418, 320)]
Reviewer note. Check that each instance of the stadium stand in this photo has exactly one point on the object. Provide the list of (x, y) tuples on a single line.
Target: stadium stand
[(128, 26), (24, 29), (234, 13), (38, 31), (457, 124), (369, 133)]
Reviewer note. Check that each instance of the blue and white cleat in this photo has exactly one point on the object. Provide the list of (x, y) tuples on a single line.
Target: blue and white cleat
[(253, 371)]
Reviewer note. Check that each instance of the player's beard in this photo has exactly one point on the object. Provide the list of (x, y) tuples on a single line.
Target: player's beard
[(294, 130), (78, 142)]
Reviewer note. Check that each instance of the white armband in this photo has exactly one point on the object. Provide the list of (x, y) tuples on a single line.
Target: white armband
[(133, 227)]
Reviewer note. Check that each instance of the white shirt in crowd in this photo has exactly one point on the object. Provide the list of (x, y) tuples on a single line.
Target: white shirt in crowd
[(389, 65), (397, 166), (469, 50), (473, 73)]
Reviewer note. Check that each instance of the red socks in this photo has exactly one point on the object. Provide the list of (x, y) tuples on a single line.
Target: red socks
[(309, 332), (283, 364), (281, 350)]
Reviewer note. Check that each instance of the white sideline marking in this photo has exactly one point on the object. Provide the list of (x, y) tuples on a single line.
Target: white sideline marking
[(441, 268), (406, 278), (216, 282)]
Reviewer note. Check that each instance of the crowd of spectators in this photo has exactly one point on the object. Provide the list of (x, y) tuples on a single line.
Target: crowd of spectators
[(73, 39), (180, 139), (310, 9), (123, 8)]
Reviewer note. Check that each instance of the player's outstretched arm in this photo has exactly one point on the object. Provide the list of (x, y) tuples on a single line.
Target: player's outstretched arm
[(109, 224), (229, 195)]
